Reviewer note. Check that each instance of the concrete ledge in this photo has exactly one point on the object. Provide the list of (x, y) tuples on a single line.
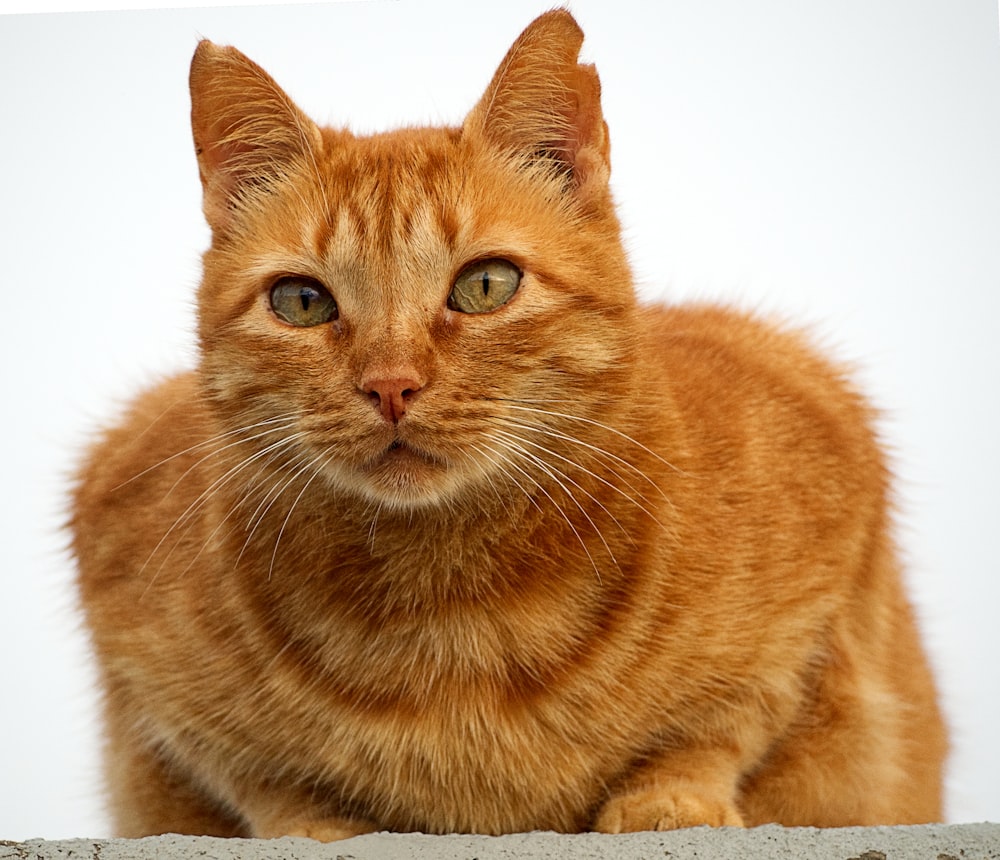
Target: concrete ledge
[(933, 842)]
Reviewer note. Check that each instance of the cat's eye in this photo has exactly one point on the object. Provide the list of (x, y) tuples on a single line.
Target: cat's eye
[(302, 301), (484, 286)]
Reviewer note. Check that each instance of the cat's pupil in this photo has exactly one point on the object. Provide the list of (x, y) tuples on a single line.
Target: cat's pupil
[(306, 297), (486, 283)]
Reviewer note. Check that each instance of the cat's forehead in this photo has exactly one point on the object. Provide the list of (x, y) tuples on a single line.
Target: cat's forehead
[(391, 162), (409, 196), (387, 195), (398, 214)]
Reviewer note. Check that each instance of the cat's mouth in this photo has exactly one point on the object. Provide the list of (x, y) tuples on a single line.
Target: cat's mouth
[(402, 473), (402, 450), (403, 456)]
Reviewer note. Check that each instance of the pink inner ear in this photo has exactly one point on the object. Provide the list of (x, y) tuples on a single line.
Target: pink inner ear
[(219, 166), (591, 129), (212, 161), (583, 142)]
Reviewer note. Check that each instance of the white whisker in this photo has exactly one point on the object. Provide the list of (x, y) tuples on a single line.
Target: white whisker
[(267, 502), (519, 441), (599, 424), (285, 421), (510, 461), (593, 449), (492, 484), (372, 528), (600, 478), (187, 516), (557, 475), (315, 461), (216, 452), (269, 497), (501, 460)]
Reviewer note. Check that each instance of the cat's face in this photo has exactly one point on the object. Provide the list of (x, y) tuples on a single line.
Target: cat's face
[(411, 316)]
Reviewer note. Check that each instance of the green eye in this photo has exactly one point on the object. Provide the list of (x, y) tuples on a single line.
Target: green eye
[(484, 286), (302, 302)]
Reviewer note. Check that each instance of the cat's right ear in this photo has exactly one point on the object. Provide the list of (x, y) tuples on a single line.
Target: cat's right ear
[(247, 133)]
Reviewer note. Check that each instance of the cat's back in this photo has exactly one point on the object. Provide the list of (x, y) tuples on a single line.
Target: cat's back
[(755, 392)]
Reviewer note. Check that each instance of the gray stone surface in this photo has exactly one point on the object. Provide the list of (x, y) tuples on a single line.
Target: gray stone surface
[(933, 842)]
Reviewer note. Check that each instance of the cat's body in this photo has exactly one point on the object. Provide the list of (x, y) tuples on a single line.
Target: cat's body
[(408, 562)]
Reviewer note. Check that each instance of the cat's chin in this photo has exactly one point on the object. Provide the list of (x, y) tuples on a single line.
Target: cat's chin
[(404, 476)]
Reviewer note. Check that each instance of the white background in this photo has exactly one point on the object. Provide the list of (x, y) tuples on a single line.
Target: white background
[(835, 161)]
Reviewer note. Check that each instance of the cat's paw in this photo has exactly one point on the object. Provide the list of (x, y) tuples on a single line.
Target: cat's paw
[(321, 829), (664, 809)]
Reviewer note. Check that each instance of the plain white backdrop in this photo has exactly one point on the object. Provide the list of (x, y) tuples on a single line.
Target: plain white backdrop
[(836, 162)]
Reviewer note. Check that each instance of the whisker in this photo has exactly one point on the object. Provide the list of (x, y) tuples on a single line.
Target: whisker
[(188, 514), (227, 447), (373, 526), (559, 476), (316, 473), (263, 454), (555, 504), (267, 502), (198, 554), (286, 420), (594, 449), (596, 477), (482, 449), (272, 494), (602, 426), (614, 487), (492, 484)]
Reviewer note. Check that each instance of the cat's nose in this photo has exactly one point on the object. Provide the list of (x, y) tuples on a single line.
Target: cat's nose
[(394, 395)]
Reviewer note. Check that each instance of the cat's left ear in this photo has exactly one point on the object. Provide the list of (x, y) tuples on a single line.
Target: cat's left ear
[(248, 134), (544, 104)]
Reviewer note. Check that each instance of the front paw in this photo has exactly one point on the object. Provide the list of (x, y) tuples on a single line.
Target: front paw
[(320, 829), (664, 809)]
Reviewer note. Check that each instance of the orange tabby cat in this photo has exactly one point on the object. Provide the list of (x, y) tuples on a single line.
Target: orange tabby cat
[(446, 533)]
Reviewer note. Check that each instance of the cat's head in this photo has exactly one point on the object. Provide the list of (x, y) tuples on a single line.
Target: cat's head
[(422, 313)]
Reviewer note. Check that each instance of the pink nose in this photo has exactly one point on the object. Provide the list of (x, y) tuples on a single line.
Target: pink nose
[(392, 397)]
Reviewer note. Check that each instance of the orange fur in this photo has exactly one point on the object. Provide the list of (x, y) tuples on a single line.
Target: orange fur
[(586, 564)]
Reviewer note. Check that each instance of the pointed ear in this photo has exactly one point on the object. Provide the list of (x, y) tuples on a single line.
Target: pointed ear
[(247, 133), (542, 104)]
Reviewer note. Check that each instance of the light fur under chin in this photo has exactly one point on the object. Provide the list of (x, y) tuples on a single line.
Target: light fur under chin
[(599, 566)]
